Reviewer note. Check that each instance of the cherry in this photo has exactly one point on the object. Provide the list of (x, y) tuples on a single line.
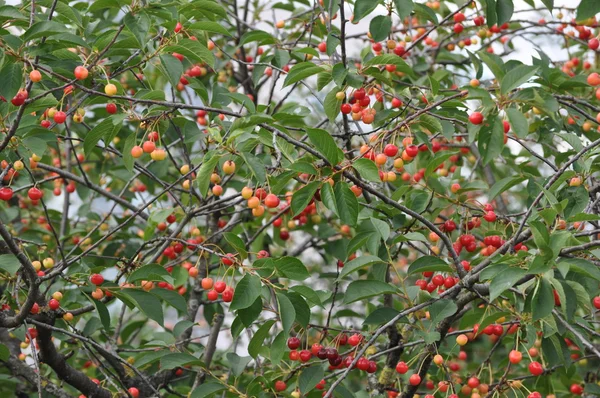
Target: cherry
[(322, 353), (535, 394), (111, 108), (354, 340), (596, 302), (272, 201), (390, 150), (305, 355), (60, 117), (459, 17), (134, 392), (207, 283), (212, 295), (412, 151), (449, 226), (315, 348), (220, 286), (402, 367), (346, 109), (322, 47), (515, 357), (137, 151), (228, 295), (458, 28), (293, 343), (363, 364), (414, 380), (228, 259), (476, 118), (45, 124), (81, 73), (178, 27), (6, 193), (396, 103), (280, 386), (35, 193), (536, 368), (473, 382), (576, 389), (593, 44), (35, 308), (490, 216), (53, 304), (96, 279), (35, 76)]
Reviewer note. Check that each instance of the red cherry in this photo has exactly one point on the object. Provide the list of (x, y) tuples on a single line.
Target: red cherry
[(81, 73), (412, 150), (515, 357), (96, 279), (458, 28), (178, 27), (35, 193), (576, 389), (212, 295), (476, 118), (396, 102), (6, 193), (596, 302), (354, 340), (228, 295), (536, 368), (60, 117), (280, 385), (535, 394), (390, 150), (53, 304), (293, 343), (593, 44), (228, 259), (272, 201), (35, 308), (414, 380), (459, 17), (134, 392), (401, 368), (220, 286), (363, 364), (111, 108), (45, 124), (490, 216), (322, 47), (305, 355), (346, 108)]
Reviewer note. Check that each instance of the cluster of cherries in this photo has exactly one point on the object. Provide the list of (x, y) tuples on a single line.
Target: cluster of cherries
[(149, 146)]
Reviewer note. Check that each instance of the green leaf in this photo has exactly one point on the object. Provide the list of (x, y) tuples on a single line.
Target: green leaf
[(309, 378), (332, 105), (177, 360), (139, 25), (148, 303), (542, 302), (260, 36), (517, 76), (129, 160), (325, 144), (346, 203), (518, 122), (425, 12), (193, 50), (303, 196), (151, 272), (362, 8), (207, 389), (10, 12), (339, 73), (363, 289), (103, 130), (256, 343), (380, 27), (367, 169), (437, 160), (237, 364), (209, 26), (44, 29), (181, 327), (490, 12), (577, 197), (237, 243), (9, 263), (380, 316), (173, 68), (300, 72), (12, 77), (504, 185), (587, 9), (549, 4), (580, 266), (171, 297), (287, 312), (291, 268), (493, 62), (210, 161), (491, 140), (246, 292), (505, 280), (358, 263), (4, 352), (390, 59), (404, 7), (428, 263), (328, 198), (504, 10), (442, 309)]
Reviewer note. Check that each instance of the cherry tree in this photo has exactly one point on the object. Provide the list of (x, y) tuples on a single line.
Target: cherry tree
[(226, 198)]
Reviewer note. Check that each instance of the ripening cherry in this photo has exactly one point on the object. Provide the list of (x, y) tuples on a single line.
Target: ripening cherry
[(449, 226), (229, 167), (178, 27), (148, 146), (459, 17), (473, 382), (396, 103), (593, 79), (593, 44), (515, 357), (535, 394), (322, 47), (45, 124), (228, 259), (272, 201), (536, 368), (81, 73), (458, 28), (35, 76), (305, 355), (354, 340), (35, 308), (490, 216), (110, 89), (262, 254), (390, 150), (96, 279), (207, 283), (596, 302), (227, 295), (35, 193), (137, 151), (134, 392), (476, 118), (462, 339), (346, 109), (158, 154), (412, 150)]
